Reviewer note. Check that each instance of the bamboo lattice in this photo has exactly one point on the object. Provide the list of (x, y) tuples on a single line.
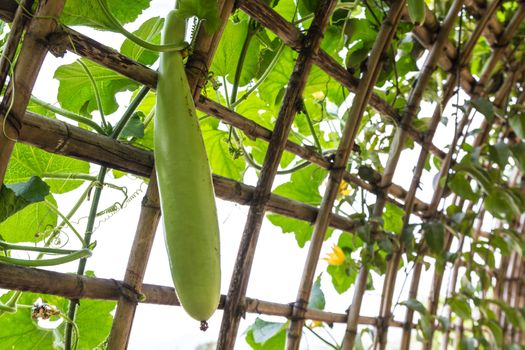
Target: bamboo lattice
[(43, 35)]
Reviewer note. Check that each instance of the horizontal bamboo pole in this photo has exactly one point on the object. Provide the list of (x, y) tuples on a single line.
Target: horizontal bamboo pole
[(61, 138), (82, 287)]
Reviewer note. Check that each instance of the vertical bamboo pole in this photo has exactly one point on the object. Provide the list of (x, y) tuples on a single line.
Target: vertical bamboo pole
[(17, 28), (196, 69), (30, 60), (246, 253)]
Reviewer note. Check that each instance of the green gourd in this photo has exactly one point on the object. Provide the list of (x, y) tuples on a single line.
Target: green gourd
[(185, 184)]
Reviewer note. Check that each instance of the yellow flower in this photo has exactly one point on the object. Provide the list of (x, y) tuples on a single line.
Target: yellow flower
[(314, 324), (344, 189), (336, 257)]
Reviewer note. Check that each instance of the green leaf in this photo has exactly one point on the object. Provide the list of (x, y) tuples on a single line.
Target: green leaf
[(485, 107), (434, 236), (467, 344), (497, 204), (31, 224), (19, 331), (27, 161), (17, 196), (499, 154), (272, 88), (317, 299), (477, 173), (425, 320), (518, 153), (134, 127), (76, 93), (94, 322), (227, 56), (517, 122), (304, 185), (496, 330), (393, 218), (320, 82), (301, 229), (206, 10), (148, 31), (309, 5), (461, 186), (286, 8), (222, 161), (88, 13), (415, 305), (343, 276), (460, 307), (263, 335)]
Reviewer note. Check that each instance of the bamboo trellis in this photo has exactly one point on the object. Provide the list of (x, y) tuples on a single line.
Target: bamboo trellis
[(43, 35)]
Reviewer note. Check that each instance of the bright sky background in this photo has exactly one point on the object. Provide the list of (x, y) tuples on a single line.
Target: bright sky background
[(278, 263)]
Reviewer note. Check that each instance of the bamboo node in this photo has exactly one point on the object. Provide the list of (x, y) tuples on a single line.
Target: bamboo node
[(128, 292), (58, 43)]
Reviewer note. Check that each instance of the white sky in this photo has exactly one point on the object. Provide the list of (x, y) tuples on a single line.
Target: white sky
[(278, 263)]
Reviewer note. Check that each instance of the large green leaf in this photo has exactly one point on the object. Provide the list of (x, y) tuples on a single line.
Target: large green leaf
[(19, 331), (272, 89), (222, 161), (263, 335), (76, 93), (31, 224), (304, 185), (227, 57), (301, 229), (150, 32), (17, 196), (27, 161), (94, 322), (206, 10), (89, 13)]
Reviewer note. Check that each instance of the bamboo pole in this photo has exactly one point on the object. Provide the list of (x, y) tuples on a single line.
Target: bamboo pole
[(83, 287), (30, 60), (293, 94), (17, 28), (136, 268)]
